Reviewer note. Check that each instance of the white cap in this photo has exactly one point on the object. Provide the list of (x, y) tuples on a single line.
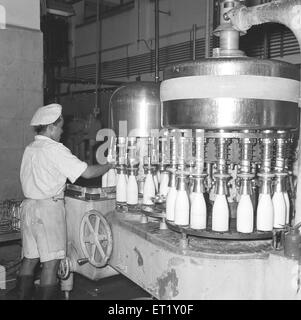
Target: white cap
[(46, 115)]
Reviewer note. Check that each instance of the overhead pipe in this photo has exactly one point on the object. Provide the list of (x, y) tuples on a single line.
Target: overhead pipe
[(288, 13), (207, 30), (138, 24), (98, 55), (156, 41), (265, 45), (194, 42)]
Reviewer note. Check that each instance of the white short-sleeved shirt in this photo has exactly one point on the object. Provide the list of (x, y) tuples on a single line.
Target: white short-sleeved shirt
[(45, 167)]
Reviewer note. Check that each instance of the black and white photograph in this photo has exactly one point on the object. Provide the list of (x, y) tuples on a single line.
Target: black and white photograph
[(150, 153)]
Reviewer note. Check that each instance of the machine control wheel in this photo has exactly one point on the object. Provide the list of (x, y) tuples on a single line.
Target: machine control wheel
[(96, 238), (64, 269)]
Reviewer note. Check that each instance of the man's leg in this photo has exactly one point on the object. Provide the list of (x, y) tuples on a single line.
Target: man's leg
[(51, 245), (24, 289), (48, 289), (28, 266), (25, 281), (49, 272)]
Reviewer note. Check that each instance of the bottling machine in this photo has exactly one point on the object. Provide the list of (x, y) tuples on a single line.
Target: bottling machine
[(204, 181)]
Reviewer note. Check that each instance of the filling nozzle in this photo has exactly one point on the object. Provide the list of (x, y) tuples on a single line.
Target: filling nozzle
[(121, 169), (209, 176), (121, 149), (222, 155), (149, 169), (199, 151), (246, 145), (147, 161), (281, 151), (112, 150), (152, 157), (164, 152), (181, 149), (173, 150), (181, 153), (132, 157), (154, 149), (266, 152)]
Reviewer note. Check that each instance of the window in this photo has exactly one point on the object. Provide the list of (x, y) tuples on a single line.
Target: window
[(111, 7)]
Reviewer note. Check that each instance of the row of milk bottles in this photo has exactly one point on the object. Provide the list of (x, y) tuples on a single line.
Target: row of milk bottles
[(126, 186), (273, 210), (186, 209), (127, 190), (189, 209), (109, 179)]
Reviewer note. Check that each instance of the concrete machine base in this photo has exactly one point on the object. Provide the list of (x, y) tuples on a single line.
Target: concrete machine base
[(168, 265)]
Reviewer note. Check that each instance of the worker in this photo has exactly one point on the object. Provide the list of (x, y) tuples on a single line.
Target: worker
[(46, 166)]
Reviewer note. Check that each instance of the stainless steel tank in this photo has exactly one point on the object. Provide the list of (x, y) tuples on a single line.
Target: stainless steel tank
[(138, 103), (231, 93)]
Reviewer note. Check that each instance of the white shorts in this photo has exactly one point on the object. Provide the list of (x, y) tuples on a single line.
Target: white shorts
[(43, 229)]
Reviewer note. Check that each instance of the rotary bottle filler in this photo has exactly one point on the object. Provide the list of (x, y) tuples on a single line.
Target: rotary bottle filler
[(212, 151)]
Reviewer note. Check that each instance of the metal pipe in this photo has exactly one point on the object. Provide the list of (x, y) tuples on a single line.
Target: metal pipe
[(286, 12), (207, 30), (221, 145), (98, 55), (156, 41), (138, 27), (193, 41), (265, 45)]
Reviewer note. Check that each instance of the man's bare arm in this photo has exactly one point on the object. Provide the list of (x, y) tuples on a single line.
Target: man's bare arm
[(96, 170)]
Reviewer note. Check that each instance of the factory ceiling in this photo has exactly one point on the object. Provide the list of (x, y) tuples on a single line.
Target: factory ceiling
[(108, 5), (105, 2)]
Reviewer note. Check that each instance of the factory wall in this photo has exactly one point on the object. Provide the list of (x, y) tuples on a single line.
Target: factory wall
[(121, 33), (130, 33), (20, 15), (21, 87)]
